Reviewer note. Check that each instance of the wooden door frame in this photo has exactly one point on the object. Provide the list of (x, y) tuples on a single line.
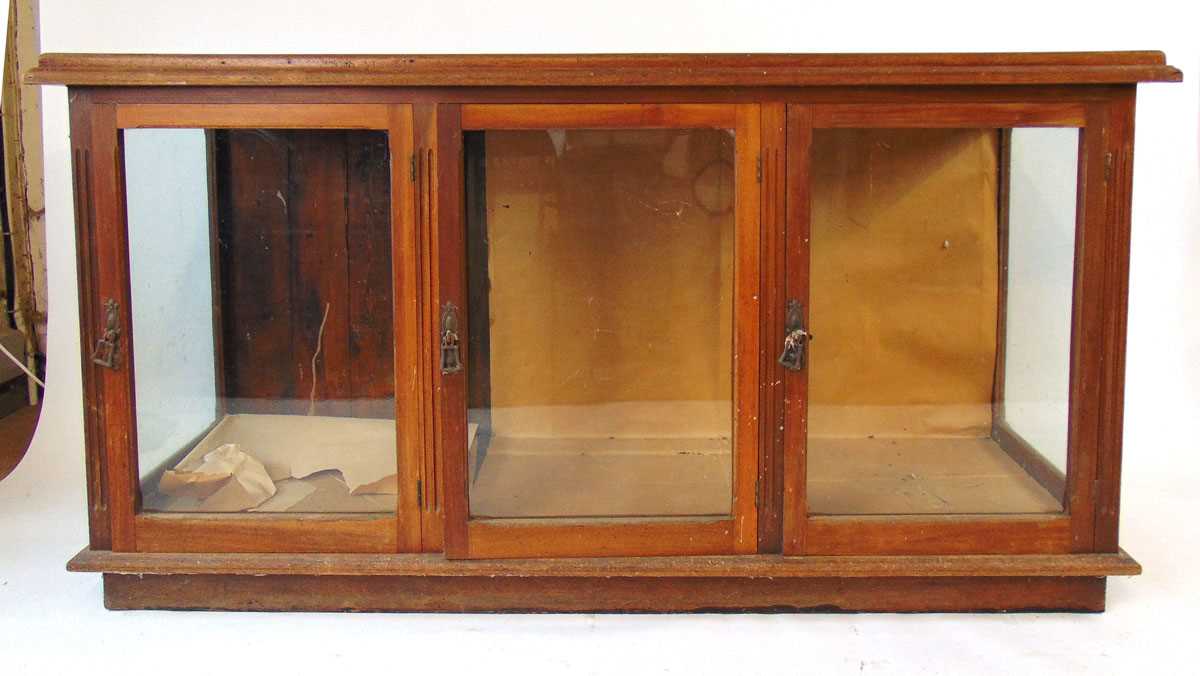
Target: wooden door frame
[(1098, 305), (518, 538), (110, 423)]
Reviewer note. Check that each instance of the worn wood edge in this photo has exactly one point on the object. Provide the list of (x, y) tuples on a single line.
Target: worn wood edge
[(602, 594), (772, 247), (746, 328), (756, 566), (604, 69), (1033, 462), (1111, 400), (490, 539), (266, 532), (508, 116), (1087, 351), (941, 535), (929, 116), (254, 115)]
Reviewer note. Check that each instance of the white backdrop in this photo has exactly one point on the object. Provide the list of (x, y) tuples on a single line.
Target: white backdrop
[(52, 622)]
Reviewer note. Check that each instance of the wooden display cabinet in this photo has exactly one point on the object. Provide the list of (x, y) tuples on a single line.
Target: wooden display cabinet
[(596, 333)]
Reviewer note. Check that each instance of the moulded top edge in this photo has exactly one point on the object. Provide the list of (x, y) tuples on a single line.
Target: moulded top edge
[(1040, 68)]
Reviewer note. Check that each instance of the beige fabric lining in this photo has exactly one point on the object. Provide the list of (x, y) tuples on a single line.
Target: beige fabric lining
[(904, 282), (610, 261)]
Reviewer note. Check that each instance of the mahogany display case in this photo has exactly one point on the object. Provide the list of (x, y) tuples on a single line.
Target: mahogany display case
[(604, 333)]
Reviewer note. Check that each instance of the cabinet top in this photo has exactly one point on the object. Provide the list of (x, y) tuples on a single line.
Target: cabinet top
[(588, 70)]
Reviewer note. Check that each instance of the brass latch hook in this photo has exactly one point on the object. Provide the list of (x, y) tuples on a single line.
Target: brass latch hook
[(795, 341), (105, 353), (451, 362)]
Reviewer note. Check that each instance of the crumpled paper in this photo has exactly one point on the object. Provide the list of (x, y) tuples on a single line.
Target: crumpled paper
[(226, 479)]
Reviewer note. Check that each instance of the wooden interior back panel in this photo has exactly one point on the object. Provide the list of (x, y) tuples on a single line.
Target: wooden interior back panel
[(303, 235)]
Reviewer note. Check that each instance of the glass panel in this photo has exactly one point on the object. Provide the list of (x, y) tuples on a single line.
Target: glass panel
[(1040, 277), (600, 304), (941, 272), (261, 273)]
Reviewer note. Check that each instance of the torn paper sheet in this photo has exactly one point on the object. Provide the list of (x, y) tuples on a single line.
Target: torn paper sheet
[(362, 450), (358, 468), (225, 479), (331, 496), (287, 493)]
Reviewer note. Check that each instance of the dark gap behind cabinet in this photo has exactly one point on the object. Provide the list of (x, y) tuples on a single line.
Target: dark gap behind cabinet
[(304, 225)]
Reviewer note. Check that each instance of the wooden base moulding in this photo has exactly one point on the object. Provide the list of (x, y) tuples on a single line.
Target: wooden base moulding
[(760, 583), (600, 594)]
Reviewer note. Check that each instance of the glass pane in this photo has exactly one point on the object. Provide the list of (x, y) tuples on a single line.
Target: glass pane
[(261, 276), (1040, 278), (941, 268), (600, 304)]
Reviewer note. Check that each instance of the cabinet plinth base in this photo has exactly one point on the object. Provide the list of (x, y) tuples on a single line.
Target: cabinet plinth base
[(601, 594), (745, 583)]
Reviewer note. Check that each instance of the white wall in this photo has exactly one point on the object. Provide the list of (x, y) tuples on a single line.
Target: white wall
[(170, 269), (1041, 271)]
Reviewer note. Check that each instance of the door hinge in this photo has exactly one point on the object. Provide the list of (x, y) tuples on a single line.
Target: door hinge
[(420, 495), (758, 169), (1108, 166), (412, 168)]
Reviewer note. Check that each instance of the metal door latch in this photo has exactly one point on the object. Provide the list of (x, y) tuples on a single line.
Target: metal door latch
[(105, 353), (450, 360), (795, 341)]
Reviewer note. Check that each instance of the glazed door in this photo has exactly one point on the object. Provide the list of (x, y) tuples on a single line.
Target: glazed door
[(597, 329), (248, 323), (937, 386)]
